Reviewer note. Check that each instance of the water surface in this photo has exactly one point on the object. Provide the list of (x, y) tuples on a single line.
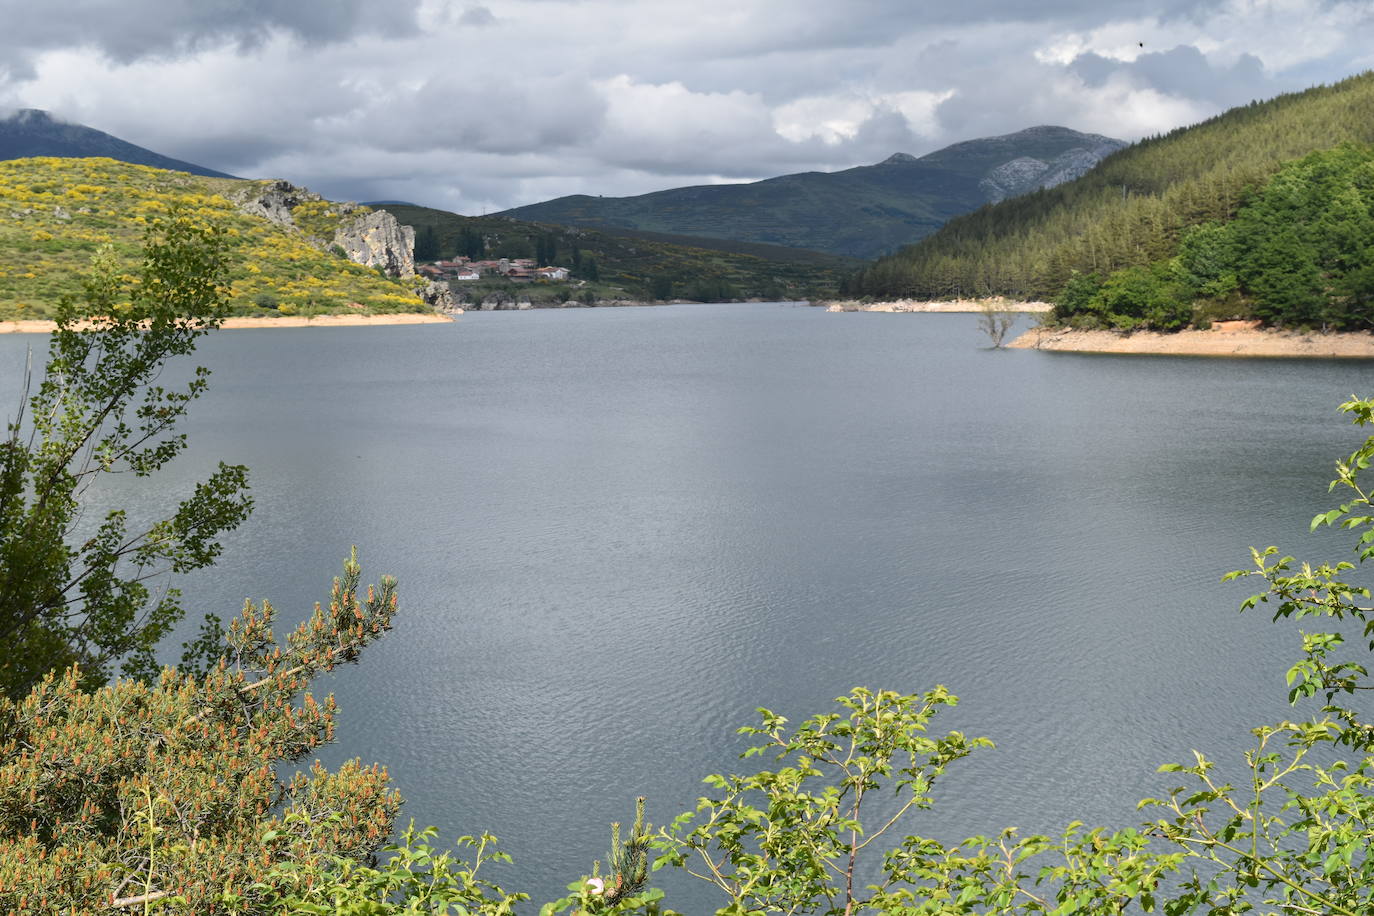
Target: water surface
[(618, 531)]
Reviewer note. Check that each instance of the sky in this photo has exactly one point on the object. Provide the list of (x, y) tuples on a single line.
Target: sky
[(479, 105)]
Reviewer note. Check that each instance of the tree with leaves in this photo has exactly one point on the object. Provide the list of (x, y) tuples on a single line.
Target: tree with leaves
[(79, 592)]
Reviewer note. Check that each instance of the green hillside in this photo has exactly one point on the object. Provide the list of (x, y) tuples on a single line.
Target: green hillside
[(860, 212), (1299, 254), (1132, 209), (56, 212), (631, 263)]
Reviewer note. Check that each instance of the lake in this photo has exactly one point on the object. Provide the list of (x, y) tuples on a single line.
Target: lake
[(618, 531)]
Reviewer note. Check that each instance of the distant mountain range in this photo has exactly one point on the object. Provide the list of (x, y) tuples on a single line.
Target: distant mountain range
[(1133, 209), (34, 132), (860, 212)]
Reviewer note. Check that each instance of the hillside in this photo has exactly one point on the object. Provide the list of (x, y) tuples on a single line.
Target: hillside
[(641, 264), (32, 132), (1132, 209), (55, 213), (860, 212)]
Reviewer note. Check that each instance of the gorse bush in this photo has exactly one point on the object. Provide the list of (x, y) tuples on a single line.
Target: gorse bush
[(168, 792), (55, 213)]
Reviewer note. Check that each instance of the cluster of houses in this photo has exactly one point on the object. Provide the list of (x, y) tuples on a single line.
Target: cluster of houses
[(519, 269)]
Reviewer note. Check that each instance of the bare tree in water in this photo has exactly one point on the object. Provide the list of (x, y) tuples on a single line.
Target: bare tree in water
[(996, 322)]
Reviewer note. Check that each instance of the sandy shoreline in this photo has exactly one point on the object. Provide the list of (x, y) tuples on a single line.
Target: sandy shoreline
[(43, 326), (920, 305), (1245, 341)]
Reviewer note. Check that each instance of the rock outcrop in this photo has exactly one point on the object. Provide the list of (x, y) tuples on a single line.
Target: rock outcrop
[(374, 239), (439, 297), (1025, 173), (377, 240), (273, 200)]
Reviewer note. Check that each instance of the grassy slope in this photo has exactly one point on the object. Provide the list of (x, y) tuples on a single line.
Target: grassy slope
[(1133, 206), (860, 212), (54, 214), (632, 258)]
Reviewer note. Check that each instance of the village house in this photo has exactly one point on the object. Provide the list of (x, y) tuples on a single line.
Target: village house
[(465, 269)]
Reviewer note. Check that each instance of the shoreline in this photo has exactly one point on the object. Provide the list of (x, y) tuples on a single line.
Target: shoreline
[(1224, 341), (47, 326), (961, 306)]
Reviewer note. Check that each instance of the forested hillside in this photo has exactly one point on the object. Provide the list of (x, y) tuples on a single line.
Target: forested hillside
[(860, 212), (1299, 253), (639, 264), (1132, 209)]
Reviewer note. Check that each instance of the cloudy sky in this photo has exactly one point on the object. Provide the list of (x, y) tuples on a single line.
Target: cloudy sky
[(478, 105)]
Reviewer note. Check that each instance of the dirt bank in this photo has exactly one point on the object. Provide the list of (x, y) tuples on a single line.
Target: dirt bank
[(37, 326), (1239, 339)]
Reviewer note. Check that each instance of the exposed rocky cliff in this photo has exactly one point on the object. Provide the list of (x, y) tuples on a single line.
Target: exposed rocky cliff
[(1025, 173), (439, 296), (372, 238), (377, 240)]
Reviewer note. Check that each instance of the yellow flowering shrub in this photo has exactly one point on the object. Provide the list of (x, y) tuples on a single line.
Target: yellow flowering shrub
[(43, 248)]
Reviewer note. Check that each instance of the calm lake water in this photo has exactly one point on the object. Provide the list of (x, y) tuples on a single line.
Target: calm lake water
[(618, 531)]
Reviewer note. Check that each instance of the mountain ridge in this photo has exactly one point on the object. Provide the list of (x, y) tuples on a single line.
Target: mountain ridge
[(861, 211), (1132, 208), (33, 132)]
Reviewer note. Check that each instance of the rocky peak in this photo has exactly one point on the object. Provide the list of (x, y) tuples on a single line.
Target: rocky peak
[(898, 159)]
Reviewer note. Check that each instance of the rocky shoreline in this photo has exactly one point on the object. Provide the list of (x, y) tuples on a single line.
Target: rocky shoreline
[(975, 306), (1226, 339)]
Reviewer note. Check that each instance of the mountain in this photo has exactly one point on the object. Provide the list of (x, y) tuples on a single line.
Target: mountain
[(1133, 208), (286, 245), (860, 212), (641, 264), (34, 132)]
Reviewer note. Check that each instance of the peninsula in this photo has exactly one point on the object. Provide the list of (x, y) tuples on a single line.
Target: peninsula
[(1224, 338)]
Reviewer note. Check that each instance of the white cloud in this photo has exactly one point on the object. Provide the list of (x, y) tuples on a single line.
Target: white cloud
[(839, 117), (491, 103)]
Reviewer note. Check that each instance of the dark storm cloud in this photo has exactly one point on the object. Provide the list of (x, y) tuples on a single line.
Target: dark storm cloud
[(134, 29), (1185, 71), (477, 16), (485, 104)]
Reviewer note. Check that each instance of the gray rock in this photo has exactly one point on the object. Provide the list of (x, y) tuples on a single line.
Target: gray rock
[(1025, 174), (1012, 178), (439, 297), (272, 200), (377, 240)]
